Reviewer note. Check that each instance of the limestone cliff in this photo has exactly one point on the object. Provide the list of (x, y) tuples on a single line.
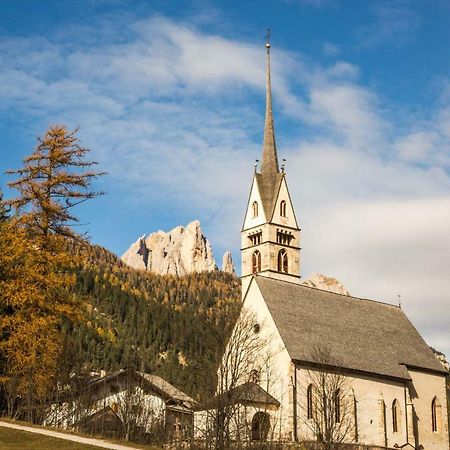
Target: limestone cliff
[(228, 264), (442, 358), (325, 283), (178, 252)]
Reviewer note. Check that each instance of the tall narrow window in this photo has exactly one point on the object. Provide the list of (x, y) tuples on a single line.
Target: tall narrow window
[(395, 416), (355, 417), (256, 262), (283, 208), (255, 209), (435, 413), (283, 265), (337, 406), (309, 401)]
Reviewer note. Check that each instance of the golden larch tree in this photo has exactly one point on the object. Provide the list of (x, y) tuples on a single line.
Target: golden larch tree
[(37, 271)]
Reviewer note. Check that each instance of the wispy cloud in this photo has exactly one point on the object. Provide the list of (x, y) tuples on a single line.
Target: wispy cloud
[(174, 113)]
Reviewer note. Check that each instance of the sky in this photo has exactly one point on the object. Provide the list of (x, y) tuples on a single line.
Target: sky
[(169, 97)]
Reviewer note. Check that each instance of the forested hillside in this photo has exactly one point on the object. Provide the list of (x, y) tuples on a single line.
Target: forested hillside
[(171, 326)]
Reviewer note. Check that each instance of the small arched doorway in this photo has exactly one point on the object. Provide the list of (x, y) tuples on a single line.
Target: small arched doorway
[(260, 426)]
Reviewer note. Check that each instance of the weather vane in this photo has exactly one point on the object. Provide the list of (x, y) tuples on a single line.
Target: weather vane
[(268, 38), (256, 164), (283, 165)]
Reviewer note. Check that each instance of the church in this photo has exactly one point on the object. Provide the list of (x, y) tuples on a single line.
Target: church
[(343, 369)]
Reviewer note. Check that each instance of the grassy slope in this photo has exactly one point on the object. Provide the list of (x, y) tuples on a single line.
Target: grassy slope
[(16, 439), (23, 440)]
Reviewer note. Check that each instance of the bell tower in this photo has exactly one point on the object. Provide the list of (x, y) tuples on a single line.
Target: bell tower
[(270, 236)]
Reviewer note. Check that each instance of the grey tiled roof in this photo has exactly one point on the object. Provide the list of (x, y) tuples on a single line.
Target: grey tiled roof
[(252, 393), (362, 335), (169, 389), (246, 393)]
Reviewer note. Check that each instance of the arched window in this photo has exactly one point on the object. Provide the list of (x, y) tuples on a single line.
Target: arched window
[(255, 209), (260, 426), (256, 262), (337, 406), (435, 414), (283, 208), (395, 416), (309, 401), (283, 265)]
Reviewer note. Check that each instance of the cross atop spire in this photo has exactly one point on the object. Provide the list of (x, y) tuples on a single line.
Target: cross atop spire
[(269, 155)]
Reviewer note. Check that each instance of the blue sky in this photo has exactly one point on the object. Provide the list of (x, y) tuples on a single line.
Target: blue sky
[(169, 96)]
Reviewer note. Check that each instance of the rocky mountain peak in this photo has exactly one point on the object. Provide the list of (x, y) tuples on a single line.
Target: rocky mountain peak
[(228, 264), (325, 283), (178, 252)]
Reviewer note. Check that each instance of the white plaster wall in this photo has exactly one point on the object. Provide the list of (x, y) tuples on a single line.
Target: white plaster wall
[(278, 381), (67, 414), (240, 424), (289, 220), (369, 393), (425, 387), (251, 221)]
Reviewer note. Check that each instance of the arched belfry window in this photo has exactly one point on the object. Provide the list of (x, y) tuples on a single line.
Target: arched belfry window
[(435, 414), (283, 265), (283, 208), (395, 416), (256, 262), (255, 209), (309, 402)]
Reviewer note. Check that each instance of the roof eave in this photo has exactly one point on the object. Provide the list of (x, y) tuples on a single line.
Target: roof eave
[(345, 370)]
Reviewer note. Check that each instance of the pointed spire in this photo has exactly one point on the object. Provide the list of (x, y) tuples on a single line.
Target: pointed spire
[(269, 155)]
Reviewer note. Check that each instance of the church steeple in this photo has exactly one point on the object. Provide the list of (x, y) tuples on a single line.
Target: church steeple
[(270, 234), (269, 162)]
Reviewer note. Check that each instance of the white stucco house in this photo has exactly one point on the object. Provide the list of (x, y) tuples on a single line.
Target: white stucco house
[(124, 403)]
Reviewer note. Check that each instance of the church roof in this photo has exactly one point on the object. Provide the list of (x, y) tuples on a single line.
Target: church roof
[(362, 335)]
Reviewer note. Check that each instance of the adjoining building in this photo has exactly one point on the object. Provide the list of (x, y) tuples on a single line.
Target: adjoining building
[(128, 404), (391, 388)]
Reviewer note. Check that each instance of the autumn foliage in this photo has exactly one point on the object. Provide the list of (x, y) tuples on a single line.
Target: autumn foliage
[(36, 271)]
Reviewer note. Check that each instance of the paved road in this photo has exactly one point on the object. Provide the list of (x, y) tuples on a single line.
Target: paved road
[(67, 437)]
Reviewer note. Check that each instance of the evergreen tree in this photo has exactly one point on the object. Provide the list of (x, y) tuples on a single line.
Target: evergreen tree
[(171, 326)]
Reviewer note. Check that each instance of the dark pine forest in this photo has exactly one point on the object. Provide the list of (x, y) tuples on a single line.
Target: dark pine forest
[(171, 326)]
